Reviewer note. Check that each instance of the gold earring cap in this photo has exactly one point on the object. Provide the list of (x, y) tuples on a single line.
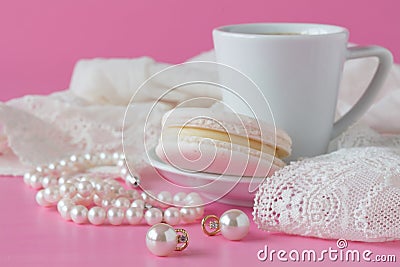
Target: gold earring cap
[(213, 227)]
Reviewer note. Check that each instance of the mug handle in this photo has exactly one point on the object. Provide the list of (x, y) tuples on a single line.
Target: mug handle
[(366, 100)]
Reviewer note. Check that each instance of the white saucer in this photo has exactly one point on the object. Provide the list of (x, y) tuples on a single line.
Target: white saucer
[(223, 188)]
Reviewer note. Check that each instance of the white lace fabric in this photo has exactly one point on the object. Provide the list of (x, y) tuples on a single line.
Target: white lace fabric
[(352, 193), (42, 129)]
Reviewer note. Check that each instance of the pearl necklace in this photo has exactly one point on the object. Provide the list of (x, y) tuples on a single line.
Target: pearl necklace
[(59, 172), (96, 200)]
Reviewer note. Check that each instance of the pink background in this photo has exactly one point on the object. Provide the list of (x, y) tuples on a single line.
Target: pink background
[(41, 40)]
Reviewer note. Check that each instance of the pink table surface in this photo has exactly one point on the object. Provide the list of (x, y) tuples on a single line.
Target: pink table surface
[(34, 236)]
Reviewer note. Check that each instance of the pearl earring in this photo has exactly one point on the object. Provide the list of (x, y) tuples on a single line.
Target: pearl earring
[(162, 239), (233, 224)]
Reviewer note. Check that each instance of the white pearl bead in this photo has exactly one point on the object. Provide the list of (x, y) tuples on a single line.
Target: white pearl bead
[(72, 181), (65, 211), (106, 202), (67, 190), (97, 215), (85, 188), (79, 214), (134, 215), (97, 200), (61, 165), (40, 169), (27, 178), (120, 163), (165, 198), (36, 181), (161, 239), (193, 199), (122, 202), (107, 191), (103, 156), (52, 194), (99, 186), (123, 171), (144, 195), (113, 182), (41, 200), (138, 203), (188, 215), (115, 156), (121, 191), (234, 224), (62, 180), (84, 201), (117, 190), (63, 202), (199, 212), (194, 202), (73, 158), (80, 159), (87, 157), (147, 197), (193, 195), (94, 181), (83, 179), (132, 194), (179, 199), (153, 216), (172, 216), (51, 167), (115, 215)]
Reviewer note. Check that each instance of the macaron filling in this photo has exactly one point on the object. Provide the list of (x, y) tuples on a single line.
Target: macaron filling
[(223, 137)]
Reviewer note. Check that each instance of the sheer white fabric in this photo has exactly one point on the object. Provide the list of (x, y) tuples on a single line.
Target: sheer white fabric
[(36, 130)]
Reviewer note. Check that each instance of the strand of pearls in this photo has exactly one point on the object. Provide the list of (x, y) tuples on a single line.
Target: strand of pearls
[(98, 201), (59, 172)]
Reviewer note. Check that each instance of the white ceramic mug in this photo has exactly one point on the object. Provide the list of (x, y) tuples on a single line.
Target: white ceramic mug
[(298, 68)]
